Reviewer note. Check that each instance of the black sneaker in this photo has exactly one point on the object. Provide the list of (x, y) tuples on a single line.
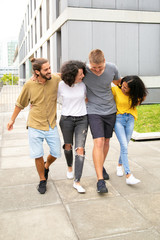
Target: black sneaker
[(105, 174), (46, 171), (101, 186), (42, 186)]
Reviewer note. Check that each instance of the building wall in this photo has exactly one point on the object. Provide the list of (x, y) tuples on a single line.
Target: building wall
[(135, 48), (128, 32), (141, 5)]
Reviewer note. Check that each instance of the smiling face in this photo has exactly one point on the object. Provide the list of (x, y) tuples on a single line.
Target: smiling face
[(125, 89), (45, 71), (80, 76), (97, 69)]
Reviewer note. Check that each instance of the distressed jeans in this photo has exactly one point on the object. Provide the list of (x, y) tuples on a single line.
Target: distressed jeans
[(124, 126), (74, 128)]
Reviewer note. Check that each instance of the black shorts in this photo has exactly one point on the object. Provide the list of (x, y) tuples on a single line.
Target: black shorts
[(102, 125)]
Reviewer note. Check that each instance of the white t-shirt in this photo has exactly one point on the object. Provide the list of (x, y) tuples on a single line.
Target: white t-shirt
[(73, 99)]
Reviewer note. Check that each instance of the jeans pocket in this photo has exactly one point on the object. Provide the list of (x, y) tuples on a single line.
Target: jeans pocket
[(119, 116), (61, 121), (63, 117)]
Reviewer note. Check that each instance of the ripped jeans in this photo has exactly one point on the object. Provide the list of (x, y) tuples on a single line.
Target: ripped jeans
[(74, 127)]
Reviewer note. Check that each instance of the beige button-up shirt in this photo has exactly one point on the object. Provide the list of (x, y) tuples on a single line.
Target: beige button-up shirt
[(43, 98)]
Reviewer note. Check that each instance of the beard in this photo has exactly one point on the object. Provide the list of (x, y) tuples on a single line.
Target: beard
[(46, 77)]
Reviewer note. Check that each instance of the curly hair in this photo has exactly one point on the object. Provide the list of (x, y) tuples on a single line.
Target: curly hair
[(137, 92), (69, 71)]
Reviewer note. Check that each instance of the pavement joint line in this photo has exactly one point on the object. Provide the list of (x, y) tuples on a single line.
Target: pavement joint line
[(30, 208), (122, 234), (67, 212)]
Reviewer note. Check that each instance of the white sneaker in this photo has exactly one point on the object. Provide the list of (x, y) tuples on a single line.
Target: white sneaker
[(119, 171), (132, 180), (79, 188), (69, 175)]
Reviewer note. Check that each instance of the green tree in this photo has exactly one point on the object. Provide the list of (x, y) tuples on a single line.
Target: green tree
[(8, 79)]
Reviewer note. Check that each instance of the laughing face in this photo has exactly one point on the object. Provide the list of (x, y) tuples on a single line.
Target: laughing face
[(80, 76), (45, 71), (97, 69)]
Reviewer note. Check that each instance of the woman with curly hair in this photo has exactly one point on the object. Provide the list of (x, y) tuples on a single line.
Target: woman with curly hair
[(128, 95), (74, 120)]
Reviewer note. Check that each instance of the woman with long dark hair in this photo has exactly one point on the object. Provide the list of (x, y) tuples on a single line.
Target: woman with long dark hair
[(128, 95)]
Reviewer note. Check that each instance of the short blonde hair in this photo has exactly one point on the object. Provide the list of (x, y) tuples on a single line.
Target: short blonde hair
[(96, 56)]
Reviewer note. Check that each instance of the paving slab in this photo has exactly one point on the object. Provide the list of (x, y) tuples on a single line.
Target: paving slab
[(104, 217), (14, 142), (26, 196), (148, 184), (18, 161), (125, 212), (148, 205), (147, 162), (150, 234), (18, 176), (11, 135), (69, 194), (143, 149), (112, 165), (154, 171), (14, 151), (50, 223)]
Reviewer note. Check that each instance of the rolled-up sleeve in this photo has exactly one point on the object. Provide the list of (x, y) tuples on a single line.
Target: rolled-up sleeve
[(23, 99)]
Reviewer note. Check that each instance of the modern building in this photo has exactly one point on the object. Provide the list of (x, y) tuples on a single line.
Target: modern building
[(7, 51), (128, 32), (11, 48)]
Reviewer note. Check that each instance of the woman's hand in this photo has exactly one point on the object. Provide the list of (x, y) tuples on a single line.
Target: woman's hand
[(34, 78)]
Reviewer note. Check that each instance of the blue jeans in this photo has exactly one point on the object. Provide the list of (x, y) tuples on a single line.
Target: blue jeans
[(124, 128)]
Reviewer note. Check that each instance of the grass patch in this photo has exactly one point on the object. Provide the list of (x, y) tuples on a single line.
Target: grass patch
[(148, 118)]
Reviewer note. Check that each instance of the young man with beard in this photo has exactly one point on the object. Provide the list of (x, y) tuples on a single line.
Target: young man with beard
[(101, 109), (41, 123)]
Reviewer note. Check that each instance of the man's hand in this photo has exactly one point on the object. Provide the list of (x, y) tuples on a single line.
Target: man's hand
[(10, 125)]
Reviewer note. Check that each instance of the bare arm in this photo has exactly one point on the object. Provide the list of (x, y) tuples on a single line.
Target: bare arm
[(117, 82), (13, 118)]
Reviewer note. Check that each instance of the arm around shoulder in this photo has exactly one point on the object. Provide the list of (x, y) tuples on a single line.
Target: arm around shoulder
[(117, 82)]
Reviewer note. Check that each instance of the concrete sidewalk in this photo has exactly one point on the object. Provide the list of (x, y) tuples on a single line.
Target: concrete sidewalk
[(126, 212)]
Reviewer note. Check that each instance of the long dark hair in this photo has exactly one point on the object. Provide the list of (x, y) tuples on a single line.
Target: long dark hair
[(69, 71), (137, 92)]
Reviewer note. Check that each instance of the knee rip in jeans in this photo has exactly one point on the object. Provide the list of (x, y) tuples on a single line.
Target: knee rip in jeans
[(67, 149), (80, 154)]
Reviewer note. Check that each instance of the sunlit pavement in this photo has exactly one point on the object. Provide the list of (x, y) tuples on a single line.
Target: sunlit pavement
[(125, 212)]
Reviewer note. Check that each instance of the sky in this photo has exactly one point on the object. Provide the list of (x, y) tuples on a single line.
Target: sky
[(11, 16)]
